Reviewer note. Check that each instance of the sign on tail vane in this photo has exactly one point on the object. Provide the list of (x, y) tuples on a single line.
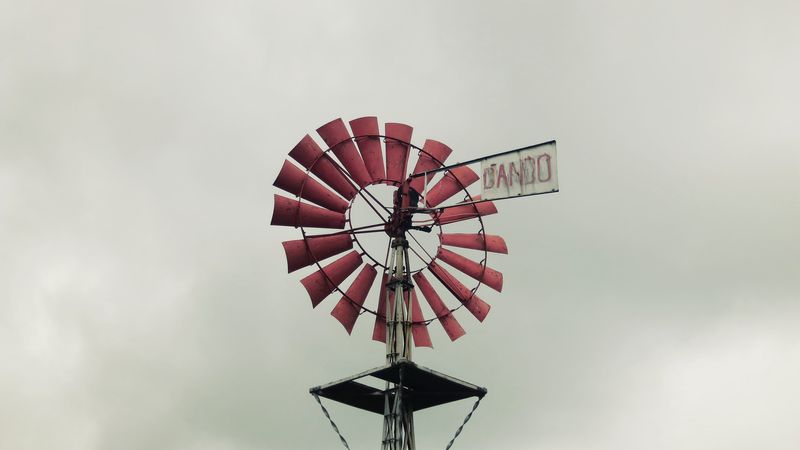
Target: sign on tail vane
[(526, 171)]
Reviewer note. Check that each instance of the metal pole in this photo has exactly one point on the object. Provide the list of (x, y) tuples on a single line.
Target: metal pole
[(398, 422)]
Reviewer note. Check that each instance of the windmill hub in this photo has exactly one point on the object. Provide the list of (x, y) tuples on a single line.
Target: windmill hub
[(406, 200)]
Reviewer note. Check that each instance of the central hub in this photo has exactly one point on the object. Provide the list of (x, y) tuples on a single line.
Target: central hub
[(406, 200), (391, 211)]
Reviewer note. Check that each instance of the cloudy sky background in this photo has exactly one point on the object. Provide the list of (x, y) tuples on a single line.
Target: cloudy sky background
[(652, 303)]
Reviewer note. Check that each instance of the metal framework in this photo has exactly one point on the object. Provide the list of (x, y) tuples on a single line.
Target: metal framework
[(399, 322)]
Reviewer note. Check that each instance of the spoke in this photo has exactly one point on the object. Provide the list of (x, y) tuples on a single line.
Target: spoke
[(421, 247), (361, 190), (418, 255), (361, 193), (377, 201), (350, 231), (368, 231)]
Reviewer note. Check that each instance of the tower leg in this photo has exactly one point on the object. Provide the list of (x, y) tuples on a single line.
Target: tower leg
[(398, 420)]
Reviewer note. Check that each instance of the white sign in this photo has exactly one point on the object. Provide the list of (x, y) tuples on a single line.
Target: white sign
[(526, 171)]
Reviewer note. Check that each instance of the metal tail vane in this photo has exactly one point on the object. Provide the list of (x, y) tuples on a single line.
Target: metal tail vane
[(429, 198)]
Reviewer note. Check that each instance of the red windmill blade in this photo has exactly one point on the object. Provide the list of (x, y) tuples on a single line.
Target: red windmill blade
[(398, 136), (292, 213), (451, 183), (476, 270), (419, 328), (367, 137), (432, 156), (477, 241), (335, 134), (305, 252), (446, 318), (465, 212), (310, 156), (379, 329), (295, 181), (472, 302), (349, 306), (323, 282), (325, 193)]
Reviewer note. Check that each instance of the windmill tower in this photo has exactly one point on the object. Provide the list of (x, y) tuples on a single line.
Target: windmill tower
[(427, 199)]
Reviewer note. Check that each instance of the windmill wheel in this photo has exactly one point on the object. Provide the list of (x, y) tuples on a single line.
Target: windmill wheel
[(364, 190)]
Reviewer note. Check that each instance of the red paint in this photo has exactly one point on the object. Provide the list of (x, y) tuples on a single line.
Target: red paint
[(546, 157), (310, 156), (477, 241), (304, 252), (335, 134), (443, 314), (512, 174), (451, 183), (291, 213), (528, 170), (501, 176), (347, 311), (488, 176), (369, 144), (419, 331), (434, 155), (486, 275), (472, 302), (465, 212), (379, 329), (398, 136), (319, 286), (295, 181)]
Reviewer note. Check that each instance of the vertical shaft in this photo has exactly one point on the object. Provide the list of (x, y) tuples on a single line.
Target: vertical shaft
[(398, 422)]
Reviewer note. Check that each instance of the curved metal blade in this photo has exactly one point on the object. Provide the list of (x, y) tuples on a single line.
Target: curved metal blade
[(335, 134), (304, 252), (310, 156), (347, 311), (295, 181), (465, 212), (486, 275), (379, 329), (291, 213), (471, 301), (366, 131), (419, 331), (477, 241), (319, 286), (434, 157), (446, 318), (451, 183), (398, 136)]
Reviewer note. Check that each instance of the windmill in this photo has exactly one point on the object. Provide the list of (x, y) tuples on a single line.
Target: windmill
[(426, 200)]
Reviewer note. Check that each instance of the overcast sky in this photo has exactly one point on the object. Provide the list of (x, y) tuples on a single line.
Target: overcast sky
[(652, 303)]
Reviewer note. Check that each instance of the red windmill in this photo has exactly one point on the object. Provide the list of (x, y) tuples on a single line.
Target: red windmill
[(430, 198)]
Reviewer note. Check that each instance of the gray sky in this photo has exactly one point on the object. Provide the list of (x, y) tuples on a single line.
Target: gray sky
[(652, 303)]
